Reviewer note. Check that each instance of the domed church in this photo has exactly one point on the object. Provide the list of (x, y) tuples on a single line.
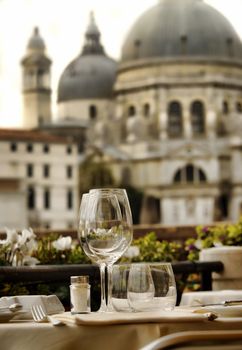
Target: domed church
[(167, 118)]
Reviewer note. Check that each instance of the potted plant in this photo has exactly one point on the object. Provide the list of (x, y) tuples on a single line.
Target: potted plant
[(222, 242)]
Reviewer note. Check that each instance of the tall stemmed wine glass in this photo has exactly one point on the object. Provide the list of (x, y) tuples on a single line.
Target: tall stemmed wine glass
[(127, 229), (95, 259)]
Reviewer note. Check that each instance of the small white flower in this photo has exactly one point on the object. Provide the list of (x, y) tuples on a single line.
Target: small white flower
[(62, 243), (20, 246), (198, 244), (132, 252), (12, 237), (26, 242), (30, 261), (26, 236), (102, 232), (218, 244)]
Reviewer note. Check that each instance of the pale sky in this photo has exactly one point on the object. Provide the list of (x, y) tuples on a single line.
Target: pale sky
[(62, 24)]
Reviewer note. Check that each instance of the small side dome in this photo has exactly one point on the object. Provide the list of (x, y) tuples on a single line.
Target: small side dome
[(92, 74), (35, 53)]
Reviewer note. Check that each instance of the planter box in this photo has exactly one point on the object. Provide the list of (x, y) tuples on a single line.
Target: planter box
[(55, 277), (231, 257)]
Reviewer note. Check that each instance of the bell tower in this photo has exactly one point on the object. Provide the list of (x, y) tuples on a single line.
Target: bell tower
[(36, 83)]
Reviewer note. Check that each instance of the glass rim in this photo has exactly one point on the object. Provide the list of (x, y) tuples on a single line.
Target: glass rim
[(102, 194), (107, 189)]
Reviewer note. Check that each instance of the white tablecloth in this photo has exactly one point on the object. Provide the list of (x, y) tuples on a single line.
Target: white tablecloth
[(27, 335), (196, 298)]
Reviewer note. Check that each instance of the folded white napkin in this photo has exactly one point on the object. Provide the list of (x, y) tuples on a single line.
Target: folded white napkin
[(50, 303), (110, 318), (6, 316)]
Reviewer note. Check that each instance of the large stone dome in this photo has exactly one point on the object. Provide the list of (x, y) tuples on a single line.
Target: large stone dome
[(92, 74), (185, 28)]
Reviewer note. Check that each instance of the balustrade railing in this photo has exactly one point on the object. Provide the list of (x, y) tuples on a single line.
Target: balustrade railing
[(48, 274)]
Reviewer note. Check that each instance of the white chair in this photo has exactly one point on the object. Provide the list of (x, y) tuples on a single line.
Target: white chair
[(198, 340)]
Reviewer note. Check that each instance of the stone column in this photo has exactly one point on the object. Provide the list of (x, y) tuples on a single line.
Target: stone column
[(210, 106), (187, 126), (210, 123), (162, 112), (119, 121)]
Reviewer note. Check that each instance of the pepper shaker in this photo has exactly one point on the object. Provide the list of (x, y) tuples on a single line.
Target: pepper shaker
[(80, 294)]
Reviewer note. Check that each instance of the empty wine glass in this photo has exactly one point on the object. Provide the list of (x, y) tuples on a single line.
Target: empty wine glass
[(127, 227), (87, 251), (105, 233)]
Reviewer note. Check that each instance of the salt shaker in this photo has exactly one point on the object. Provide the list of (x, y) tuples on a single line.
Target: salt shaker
[(80, 294)]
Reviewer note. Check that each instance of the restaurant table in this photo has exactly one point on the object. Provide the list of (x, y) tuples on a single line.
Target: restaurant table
[(129, 333)]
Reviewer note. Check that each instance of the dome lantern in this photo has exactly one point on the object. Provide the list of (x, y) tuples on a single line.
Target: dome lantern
[(36, 43), (92, 43)]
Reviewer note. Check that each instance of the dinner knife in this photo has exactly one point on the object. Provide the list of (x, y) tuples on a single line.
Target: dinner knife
[(222, 303)]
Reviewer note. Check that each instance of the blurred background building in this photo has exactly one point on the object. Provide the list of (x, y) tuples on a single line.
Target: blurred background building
[(166, 120)]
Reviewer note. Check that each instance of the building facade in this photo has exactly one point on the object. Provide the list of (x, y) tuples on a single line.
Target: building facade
[(179, 96), (167, 118), (177, 114), (38, 180)]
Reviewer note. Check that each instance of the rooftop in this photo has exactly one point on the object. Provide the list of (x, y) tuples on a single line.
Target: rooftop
[(31, 136)]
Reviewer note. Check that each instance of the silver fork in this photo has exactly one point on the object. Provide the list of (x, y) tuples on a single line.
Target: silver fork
[(39, 315)]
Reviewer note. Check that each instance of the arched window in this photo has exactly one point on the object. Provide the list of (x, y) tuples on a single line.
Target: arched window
[(177, 177), (13, 147), (46, 170), (230, 47), (201, 176), (31, 198), (92, 112), (29, 147), (40, 77), (30, 170), (29, 79), (239, 107), (126, 176), (225, 107), (69, 171), (189, 174), (47, 199), (131, 111), (197, 118), (146, 110), (183, 43), (175, 127), (69, 199), (46, 148)]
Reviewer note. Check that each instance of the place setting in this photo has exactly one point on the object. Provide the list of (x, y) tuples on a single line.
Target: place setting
[(136, 292), (142, 292), (26, 308)]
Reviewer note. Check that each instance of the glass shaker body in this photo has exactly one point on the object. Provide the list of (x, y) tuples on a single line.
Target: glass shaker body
[(80, 294)]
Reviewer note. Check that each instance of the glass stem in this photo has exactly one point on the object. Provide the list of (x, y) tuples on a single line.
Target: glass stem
[(103, 305), (109, 292)]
